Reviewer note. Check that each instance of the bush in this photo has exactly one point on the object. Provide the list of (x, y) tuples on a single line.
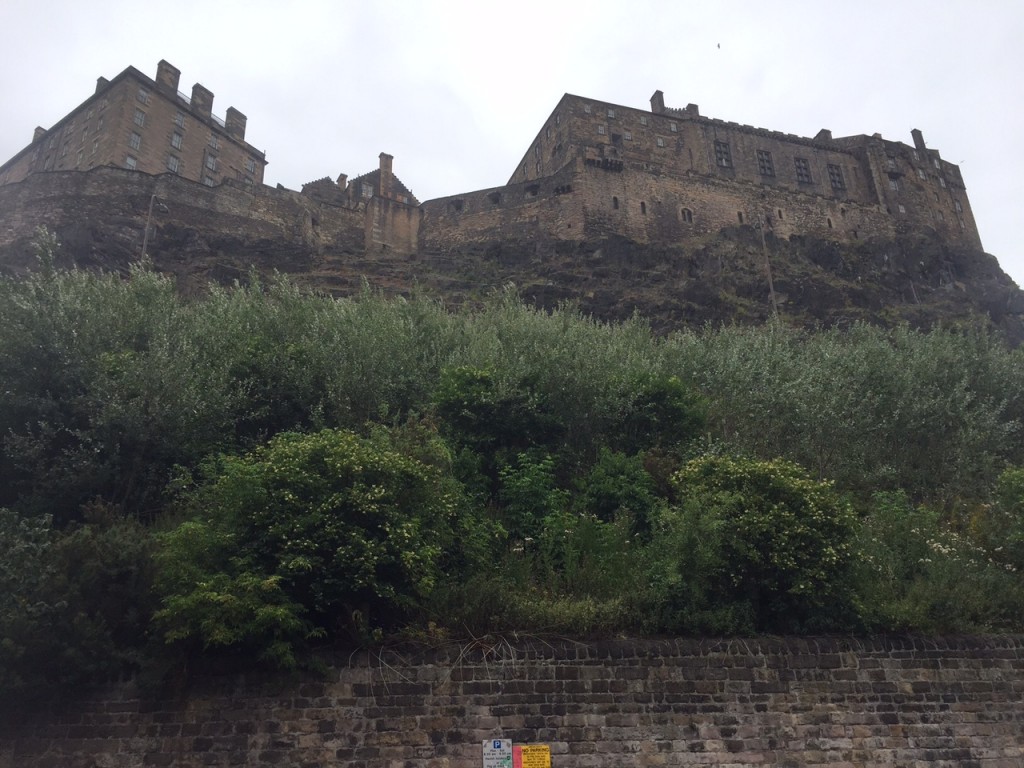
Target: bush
[(329, 533), (771, 542), (915, 573)]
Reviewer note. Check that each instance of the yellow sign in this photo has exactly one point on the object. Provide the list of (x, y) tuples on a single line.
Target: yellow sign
[(532, 756)]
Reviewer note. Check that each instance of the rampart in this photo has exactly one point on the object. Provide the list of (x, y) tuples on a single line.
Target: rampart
[(101, 216), (888, 701)]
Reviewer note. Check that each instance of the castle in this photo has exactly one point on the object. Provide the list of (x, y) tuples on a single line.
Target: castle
[(667, 176)]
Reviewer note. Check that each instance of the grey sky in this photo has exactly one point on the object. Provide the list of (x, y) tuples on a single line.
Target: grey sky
[(457, 89)]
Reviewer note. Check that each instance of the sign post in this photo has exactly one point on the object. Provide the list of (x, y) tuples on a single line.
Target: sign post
[(497, 753)]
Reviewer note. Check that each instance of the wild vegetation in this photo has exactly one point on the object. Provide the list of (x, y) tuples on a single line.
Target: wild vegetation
[(262, 472)]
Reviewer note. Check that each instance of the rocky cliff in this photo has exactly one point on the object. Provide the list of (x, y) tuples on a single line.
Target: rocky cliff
[(200, 235)]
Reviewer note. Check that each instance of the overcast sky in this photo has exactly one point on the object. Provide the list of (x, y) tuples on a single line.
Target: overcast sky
[(457, 89)]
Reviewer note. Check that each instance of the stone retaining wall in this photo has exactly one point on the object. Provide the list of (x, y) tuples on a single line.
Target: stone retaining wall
[(889, 701)]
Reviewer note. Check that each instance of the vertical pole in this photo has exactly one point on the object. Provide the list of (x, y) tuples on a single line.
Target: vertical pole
[(767, 265), (149, 216)]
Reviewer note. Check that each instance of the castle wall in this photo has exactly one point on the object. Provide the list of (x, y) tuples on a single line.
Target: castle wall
[(390, 224), (894, 701), (73, 204), (546, 209), (676, 210)]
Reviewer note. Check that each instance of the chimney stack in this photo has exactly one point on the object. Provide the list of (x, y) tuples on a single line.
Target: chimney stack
[(234, 122), (385, 174), (38, 133), (918, 139), (167, 76), (202, 100), (658, 103), (101, 83)]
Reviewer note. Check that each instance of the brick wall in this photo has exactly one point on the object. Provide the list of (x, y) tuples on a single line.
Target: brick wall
[(890, 701)]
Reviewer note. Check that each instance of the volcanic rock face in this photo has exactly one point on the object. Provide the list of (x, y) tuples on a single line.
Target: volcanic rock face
[(221, 235)]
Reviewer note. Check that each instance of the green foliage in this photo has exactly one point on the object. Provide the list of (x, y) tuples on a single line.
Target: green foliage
[(935, 414), (74, 604), (518, 469), (618, 487), (529, 495), (780, 542), (326, 532), (918, 574)]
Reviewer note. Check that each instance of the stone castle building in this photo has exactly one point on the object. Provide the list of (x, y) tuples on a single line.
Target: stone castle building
[(145, 125), (595, 170)]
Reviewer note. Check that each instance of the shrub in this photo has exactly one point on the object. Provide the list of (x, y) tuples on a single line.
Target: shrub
[(772, 542), (311, 534)]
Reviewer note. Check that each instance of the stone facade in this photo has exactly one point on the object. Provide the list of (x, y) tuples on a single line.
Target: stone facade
[(664, 176), (672, 176), (147, 125), (794, 703)]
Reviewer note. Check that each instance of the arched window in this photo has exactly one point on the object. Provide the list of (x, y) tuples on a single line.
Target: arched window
[(686, 215), (643, 207), (739, 216), (615, 203), (829, 223)]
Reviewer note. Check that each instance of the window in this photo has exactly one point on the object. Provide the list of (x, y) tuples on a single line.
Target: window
[(173, 164), (937, 163), (135, 140), (131, 163), (615, 203), (611, 113), (207, 181), (586, 109), (250, 165), (79, 160), (176, 141), (765, 166), (547, 131), (686, 215), (835, 177), (643, 207), (892, 163), (723, 155), (214, 141), (99, 123), (95, 145), (627, 135), (673, 127), (957, 207), (211, 162), (179, 120), (368, 190), (903, 208), (942, 182), (921, 174), (600, 130), (660, 141), (140, 118), (803, 170), (643, 119), (143, 96), (739, 216), (894, 185), (64, 150)]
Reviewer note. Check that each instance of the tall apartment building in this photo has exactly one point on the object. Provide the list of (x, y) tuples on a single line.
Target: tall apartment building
[(142, 124)]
